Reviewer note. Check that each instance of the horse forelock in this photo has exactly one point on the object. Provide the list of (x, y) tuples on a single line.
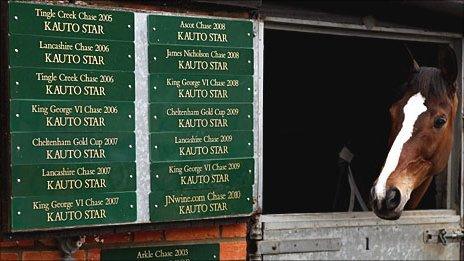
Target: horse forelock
[(429, 81)]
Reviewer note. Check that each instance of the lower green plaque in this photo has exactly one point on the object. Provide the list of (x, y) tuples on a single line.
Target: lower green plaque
[(175, 253), (178, 175), (200, 204), (28, 213), (46, 147), (67, 179), (170, 146)]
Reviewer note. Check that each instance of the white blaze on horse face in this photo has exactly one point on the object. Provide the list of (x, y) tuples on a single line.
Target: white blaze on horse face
[(413, 108)]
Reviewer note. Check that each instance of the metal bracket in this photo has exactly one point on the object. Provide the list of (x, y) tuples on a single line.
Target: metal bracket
[(255, 257), (442, 236), (256, 232), (69, 246)]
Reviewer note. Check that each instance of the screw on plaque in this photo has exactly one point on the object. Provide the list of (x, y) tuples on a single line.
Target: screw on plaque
[(369, 21)]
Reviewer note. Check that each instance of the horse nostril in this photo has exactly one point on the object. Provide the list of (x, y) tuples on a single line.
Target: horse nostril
[(392, 199)]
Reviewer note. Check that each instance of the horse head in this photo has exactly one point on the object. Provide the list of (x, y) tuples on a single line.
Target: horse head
[(420, 137)]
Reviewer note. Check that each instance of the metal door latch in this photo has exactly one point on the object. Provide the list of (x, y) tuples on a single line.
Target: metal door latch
[(442, 236), (274, 247)]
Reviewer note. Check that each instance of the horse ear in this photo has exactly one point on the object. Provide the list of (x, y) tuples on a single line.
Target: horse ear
[(412, 64), (448, 64)]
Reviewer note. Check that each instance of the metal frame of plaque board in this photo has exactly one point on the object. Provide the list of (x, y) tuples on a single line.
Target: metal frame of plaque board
[(4, 126), (141, 128)]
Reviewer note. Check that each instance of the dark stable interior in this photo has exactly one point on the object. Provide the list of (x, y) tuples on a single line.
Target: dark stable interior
[(320, 93)]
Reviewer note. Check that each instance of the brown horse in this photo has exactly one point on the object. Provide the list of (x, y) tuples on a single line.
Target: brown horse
[(420, 137)]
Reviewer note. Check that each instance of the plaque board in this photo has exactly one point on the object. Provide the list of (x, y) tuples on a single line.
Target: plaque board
[(66, 179), (195, 204), (52, 212), (174, 252), (63, 21), (199, 60), (174, 146), (59, 84), (180, 30), (186, 175), (72, 116), (45, 147), (207, 116), (201, 88), (70, 53)]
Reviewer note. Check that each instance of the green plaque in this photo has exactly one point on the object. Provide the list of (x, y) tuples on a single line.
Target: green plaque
[(72, 147), (39, 115), (183, 30), (201, 88), (66, 179), (199, 60), (199, 204), (51, 52), (183, 175), (61, 21), (52, 212), (58, 84), (195, 116), (171, 146), (175, 252)]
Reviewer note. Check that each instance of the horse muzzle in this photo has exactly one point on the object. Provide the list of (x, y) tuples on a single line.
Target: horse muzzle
[(387, 207)]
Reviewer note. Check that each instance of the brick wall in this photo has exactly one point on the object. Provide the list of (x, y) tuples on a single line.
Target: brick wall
[(232, 240)]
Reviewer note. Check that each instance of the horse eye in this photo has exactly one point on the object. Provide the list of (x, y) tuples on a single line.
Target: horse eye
[(439, 122)]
